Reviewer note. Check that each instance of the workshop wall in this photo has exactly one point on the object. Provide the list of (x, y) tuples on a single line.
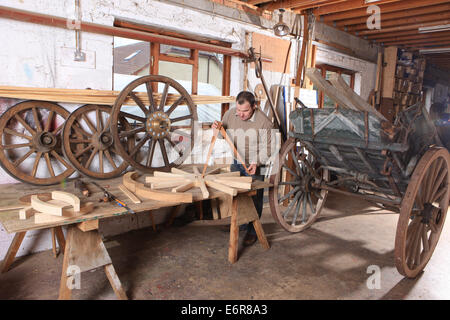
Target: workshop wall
[(40, 56)]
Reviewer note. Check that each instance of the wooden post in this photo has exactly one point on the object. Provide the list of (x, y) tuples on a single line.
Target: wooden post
[(194, 57), (234, 234), (226, 82), (12, 251)]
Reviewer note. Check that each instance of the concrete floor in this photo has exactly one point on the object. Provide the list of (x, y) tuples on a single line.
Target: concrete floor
[(327, 261)]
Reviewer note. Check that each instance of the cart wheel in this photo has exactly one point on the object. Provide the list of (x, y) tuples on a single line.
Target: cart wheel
[(294, 202), (163, 131), (30, 149), (423, 211), (88, 143)]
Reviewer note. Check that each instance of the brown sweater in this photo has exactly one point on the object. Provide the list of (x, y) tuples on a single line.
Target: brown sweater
[(252, 137)]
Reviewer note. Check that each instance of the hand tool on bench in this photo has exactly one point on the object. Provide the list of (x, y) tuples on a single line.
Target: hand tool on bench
[(80, 185), (211, 146), (108, 196)]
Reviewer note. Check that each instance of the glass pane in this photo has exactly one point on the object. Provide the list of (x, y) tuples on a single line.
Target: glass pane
[(210, 71), (347, 78), (131, 61)]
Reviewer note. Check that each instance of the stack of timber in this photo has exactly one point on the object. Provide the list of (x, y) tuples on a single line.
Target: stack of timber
[(102, 97), (403, 74)]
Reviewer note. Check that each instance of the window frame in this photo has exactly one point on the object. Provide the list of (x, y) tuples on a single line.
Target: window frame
[(326, 67)]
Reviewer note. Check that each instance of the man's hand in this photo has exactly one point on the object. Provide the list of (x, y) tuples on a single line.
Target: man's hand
[(216, 125), (252, 169)]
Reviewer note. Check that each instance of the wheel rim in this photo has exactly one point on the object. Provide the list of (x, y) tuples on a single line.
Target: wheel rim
[(298, 207), (423, 212), (89, 145), (31, 143), (163, 133)]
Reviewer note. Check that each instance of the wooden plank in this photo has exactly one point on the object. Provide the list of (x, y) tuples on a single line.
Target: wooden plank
[(215, 209), (260, 233), (273, 46), (184, 187), (234, 183), (47, 207), (148, 193), (337, 96), (390, 65), (70, 198), (129, 194), (26, 213), (12, 251), (69, 213), (234, 234), (359, 102), (223, 188)]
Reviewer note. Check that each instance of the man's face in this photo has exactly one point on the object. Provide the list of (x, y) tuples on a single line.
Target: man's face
[(244, 111)]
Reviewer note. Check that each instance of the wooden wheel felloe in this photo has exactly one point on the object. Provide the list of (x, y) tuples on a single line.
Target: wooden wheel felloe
[(89, 145), (423, 211), (162, 124), (295, 202), (30, 147)]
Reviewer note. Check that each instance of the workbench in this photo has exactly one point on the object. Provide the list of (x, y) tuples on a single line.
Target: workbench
[(83, 246)]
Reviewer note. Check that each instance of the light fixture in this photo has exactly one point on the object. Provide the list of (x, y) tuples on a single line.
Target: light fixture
[(281, 28), (437, 50), (439, 28)]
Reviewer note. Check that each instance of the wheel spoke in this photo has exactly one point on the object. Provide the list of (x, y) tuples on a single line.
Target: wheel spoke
[(152, 144), (81, 131), (110, 159), (79, 153), (290, 170), (139, 145), (132, 116), (131, 132), (19, 161), (89, 123), (60, 159), (148, 85), (56, 131), (91, 157), (426, 245), (49, 164), (175, 147), (24, 124), (164, 96), (297, 209), (439, 194), (289, 208), (174, 105), (164, 152), (304, 207), (36, 163), (139, 103), (36, 119), (313, 211), (291, 183), (49, 121), (77, 141), (287, 195), (437, 183), (181, 118), (16, 146), (297, 165), (18, 134), (99, 120), (418, 245), (100, 160)]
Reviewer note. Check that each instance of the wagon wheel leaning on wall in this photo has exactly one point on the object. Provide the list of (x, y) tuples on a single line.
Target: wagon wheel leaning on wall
[(89, 145), (30, 147), (162, 123), (423, 211), (295, 202)]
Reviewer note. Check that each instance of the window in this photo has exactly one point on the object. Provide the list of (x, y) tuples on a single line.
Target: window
[(199, 72), (327, 71)]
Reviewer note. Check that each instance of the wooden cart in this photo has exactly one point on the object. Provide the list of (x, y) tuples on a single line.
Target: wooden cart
[(402, 167)]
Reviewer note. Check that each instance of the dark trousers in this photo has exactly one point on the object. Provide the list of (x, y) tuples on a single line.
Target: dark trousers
[(258, 198)]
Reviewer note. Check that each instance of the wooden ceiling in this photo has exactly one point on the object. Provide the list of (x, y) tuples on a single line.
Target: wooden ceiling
[(400, 21)]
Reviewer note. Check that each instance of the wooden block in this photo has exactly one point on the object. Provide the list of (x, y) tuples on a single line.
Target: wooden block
[(225, 203), (167, 184), (26, 213), (88, 225), (390, 60), (218, 186), (71, 199), (46, 207), (129, 194), (235, 184), (215, 209), (67, 214), (184, 187), (157, 195)]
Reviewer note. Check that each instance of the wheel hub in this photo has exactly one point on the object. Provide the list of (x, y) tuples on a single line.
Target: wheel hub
[(103, 140), (44, 141), (158, 125)]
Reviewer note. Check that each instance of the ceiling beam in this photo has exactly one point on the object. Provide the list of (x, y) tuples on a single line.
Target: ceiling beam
[(385, 8), (432, 35), (298, 4), (398, 22), (255, 2), (418, 42), (397, 14), (348, 5), (405, 27)]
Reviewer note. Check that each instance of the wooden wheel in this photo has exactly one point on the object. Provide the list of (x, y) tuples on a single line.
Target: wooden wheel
[(30, 147), (423, 211), (162, 124), (294, 202), (89, 145)]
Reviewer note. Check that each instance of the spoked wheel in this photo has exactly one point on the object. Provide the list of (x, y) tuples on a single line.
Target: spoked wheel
[(162, 124), (423, 211), (294, 201), (30, 147), (89, 145)]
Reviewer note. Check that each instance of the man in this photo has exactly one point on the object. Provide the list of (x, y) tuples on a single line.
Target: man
[(243, 123)]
